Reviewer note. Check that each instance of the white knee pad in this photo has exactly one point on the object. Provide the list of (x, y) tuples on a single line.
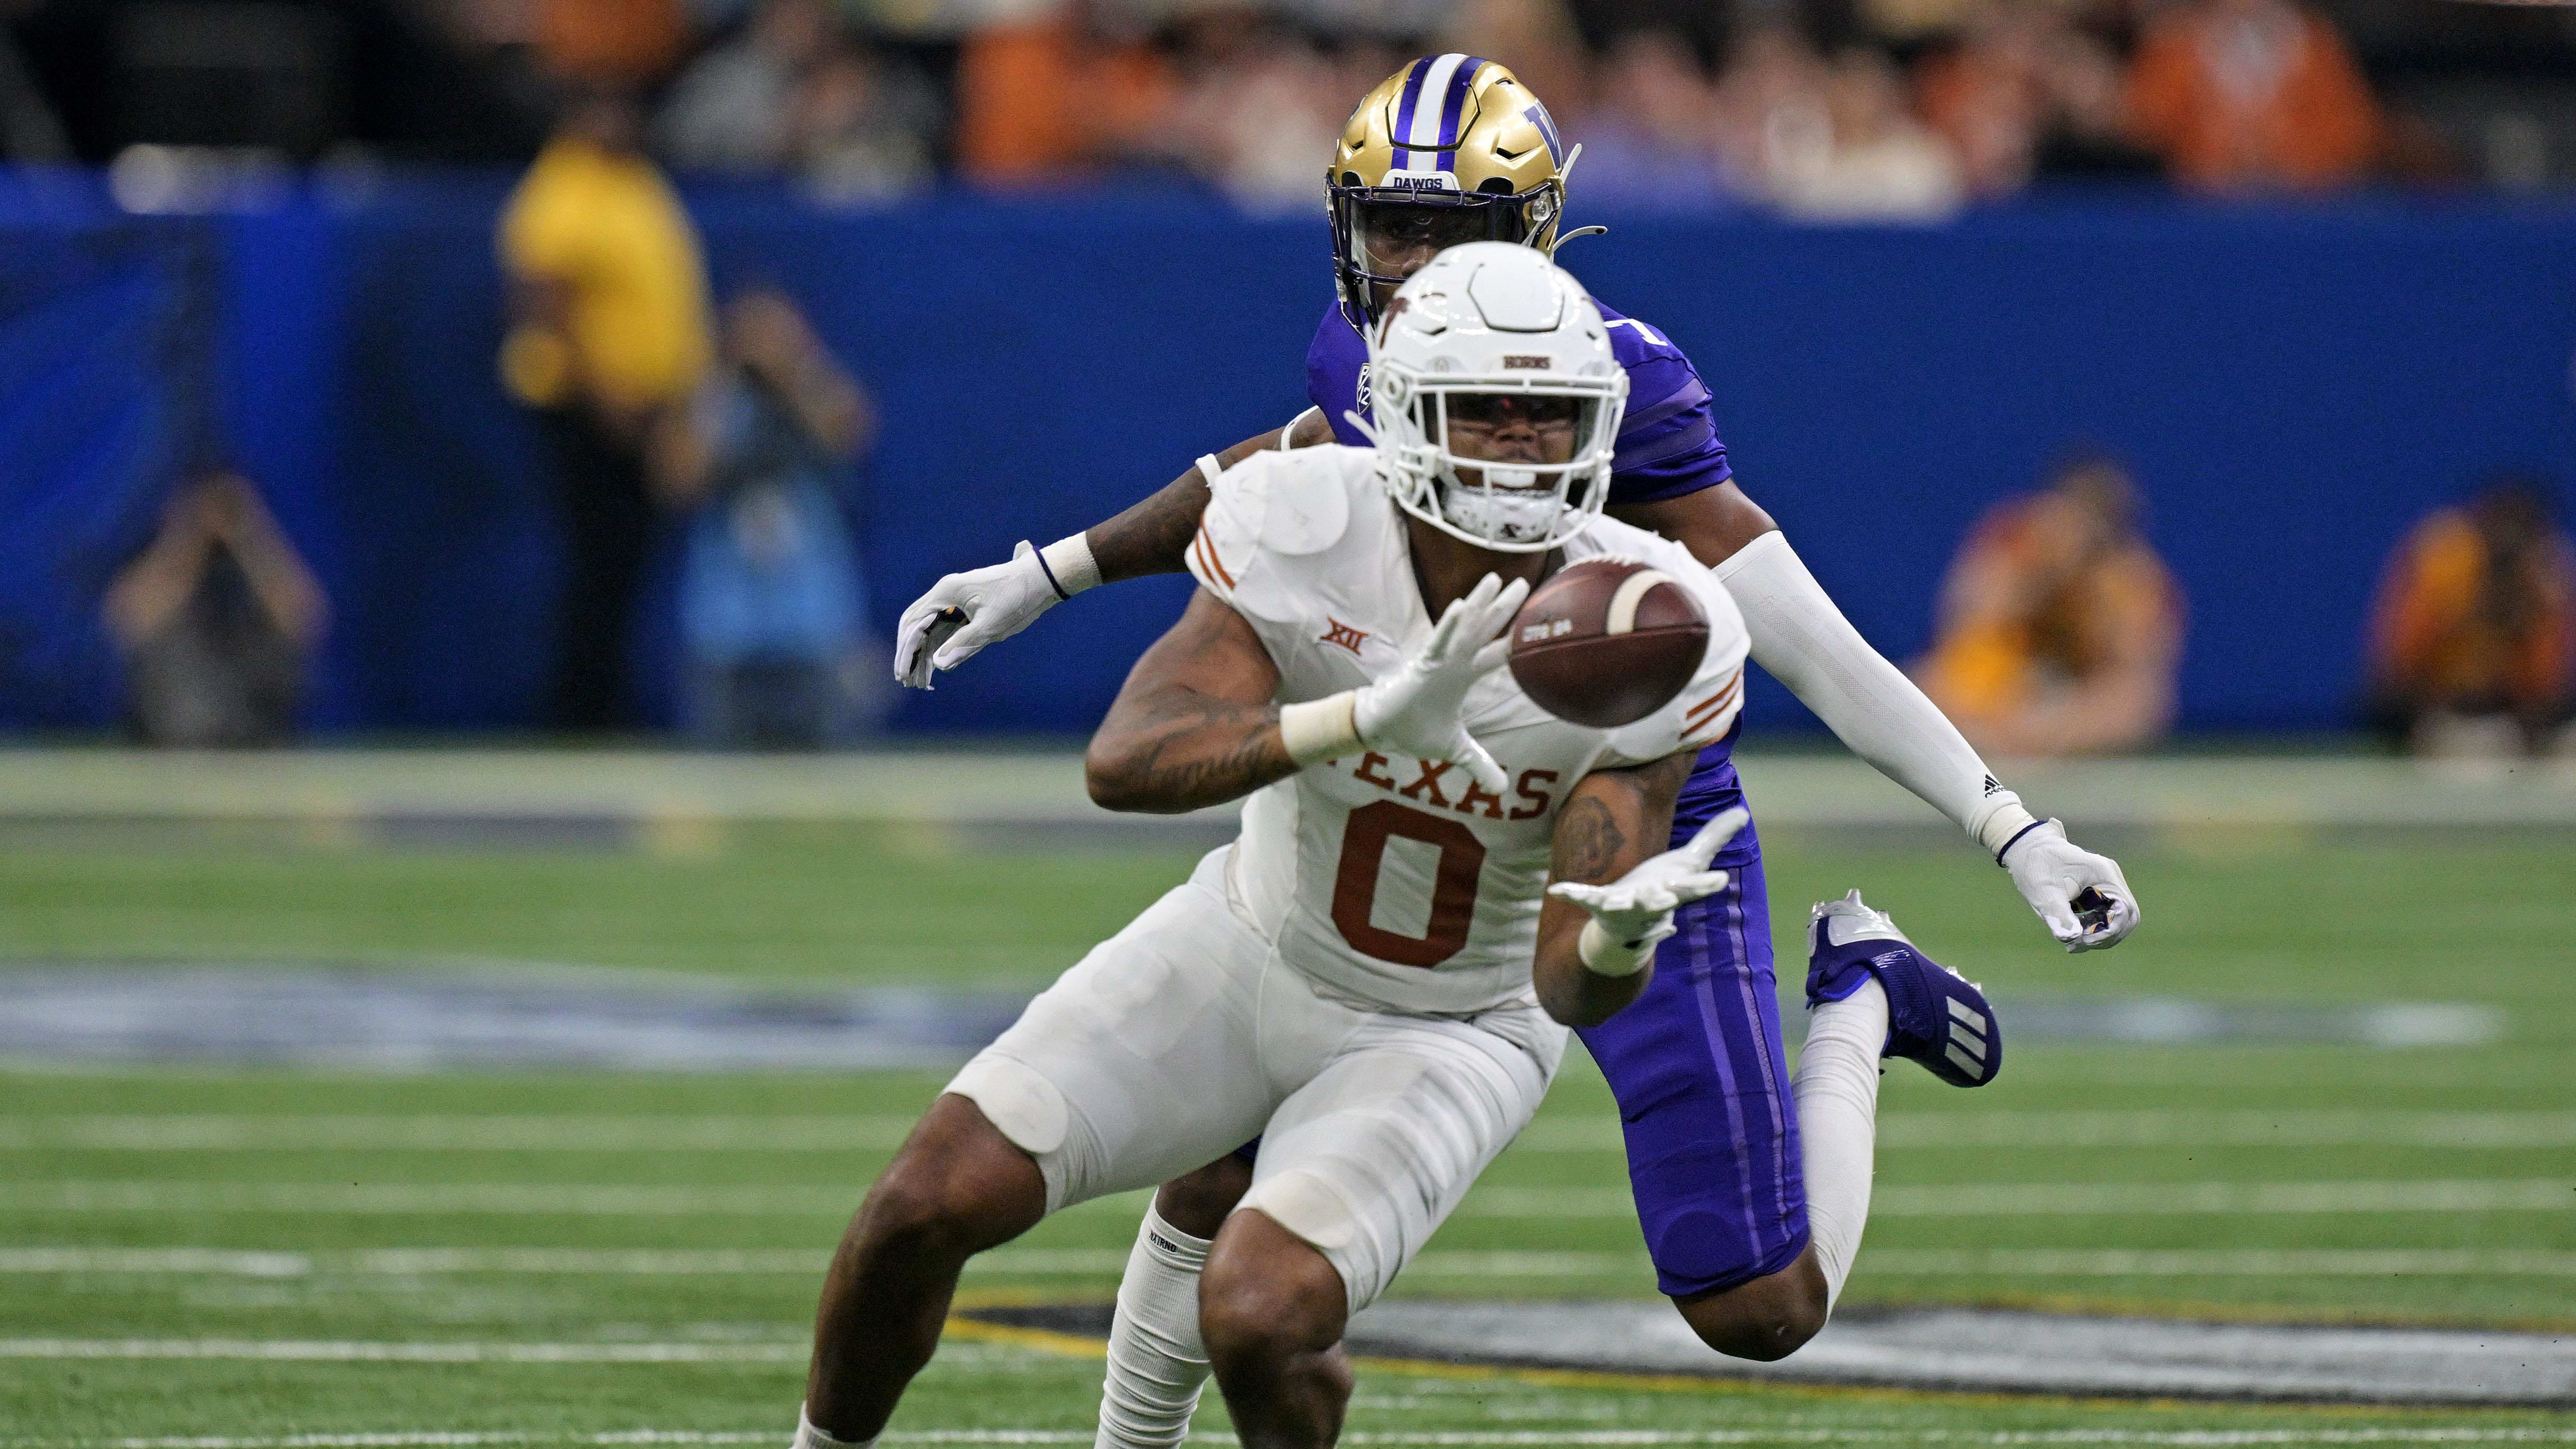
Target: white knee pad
[(1026, 1108), (1317, 1214)]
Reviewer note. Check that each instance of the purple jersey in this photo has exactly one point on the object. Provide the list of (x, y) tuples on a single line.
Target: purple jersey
[(1668, 443)]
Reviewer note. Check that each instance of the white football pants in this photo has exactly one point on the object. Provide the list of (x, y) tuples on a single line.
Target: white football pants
[(1186, 1035)]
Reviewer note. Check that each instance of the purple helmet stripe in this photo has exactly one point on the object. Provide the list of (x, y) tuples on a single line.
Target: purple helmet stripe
[(1404, 110), (1453, 107)]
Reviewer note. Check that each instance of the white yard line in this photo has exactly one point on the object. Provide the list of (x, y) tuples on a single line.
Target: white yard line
[(881, 1132), (1981, 1130), (1392, 1439), (214, 1262), (2200, 1438), (421, 1439), (2224, 1263), (2059, 1199), (315, 1350), (1109, 1262), (2079, 1199), (191, 1132), (409, 1439), (461, 1198), (2222, 1198), (692, 1262)]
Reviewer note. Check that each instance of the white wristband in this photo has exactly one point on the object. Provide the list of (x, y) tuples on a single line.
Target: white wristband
[(1210, 469), (1604, 957), (1069, 565), (2004, 824), (1321, 729)]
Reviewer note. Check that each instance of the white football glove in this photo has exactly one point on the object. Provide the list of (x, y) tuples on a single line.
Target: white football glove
[(1635, 911), (2051, 872), (1414, 711), (964, 612)]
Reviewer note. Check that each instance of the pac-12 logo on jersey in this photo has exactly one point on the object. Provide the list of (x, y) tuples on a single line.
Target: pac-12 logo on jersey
[(1362, 395)]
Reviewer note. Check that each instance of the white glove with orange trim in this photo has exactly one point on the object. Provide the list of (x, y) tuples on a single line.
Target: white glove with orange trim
[(1414, 711)]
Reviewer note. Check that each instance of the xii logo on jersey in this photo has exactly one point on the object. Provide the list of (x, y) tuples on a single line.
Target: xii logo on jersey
[(1343, 634)]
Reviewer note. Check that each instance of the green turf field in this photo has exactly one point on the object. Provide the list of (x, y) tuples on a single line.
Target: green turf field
[(2273, 1181)]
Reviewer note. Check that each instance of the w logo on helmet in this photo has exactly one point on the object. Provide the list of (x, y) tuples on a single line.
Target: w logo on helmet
[(1537, 116)]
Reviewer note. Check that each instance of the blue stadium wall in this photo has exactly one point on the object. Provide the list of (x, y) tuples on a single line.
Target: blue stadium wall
[(2293, 385)]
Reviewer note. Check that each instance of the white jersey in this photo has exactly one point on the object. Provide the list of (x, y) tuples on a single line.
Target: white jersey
[(1402, 883)]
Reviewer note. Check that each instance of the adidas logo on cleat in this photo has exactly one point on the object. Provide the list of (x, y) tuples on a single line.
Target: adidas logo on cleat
[(1967, 1046), (1936, 1017)]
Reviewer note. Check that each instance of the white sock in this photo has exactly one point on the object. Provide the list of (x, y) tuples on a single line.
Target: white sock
[(1837, 1092), (1156, 1364), (809, 1437)]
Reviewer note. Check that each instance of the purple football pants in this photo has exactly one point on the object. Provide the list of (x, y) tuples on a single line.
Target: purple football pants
[(1702, 1082)]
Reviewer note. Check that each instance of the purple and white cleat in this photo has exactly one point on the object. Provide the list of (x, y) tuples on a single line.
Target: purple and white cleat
[(1934, 1015)]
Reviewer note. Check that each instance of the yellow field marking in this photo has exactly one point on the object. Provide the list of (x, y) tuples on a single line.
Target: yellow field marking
[(1045, 1340)]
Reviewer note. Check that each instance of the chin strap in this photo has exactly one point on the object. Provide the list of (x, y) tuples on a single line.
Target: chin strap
[(1365, 429), (1563, 172)]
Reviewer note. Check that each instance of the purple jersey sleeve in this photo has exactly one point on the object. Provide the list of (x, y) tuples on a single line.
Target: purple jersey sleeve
[(1668, 442), (1337, 375)]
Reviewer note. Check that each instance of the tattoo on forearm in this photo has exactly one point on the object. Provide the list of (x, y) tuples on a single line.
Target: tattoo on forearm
[(1592, 844), (1589, 841), (1200, 749)]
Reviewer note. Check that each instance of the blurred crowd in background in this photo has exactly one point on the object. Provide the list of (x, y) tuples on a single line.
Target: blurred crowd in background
[(1823, 107), (663, 409)]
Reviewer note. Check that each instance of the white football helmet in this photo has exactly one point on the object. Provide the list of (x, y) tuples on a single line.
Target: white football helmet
[(1492, 318)]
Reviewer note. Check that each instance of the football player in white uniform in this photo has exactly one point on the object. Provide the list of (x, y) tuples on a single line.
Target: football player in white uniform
[(1751, 1188), (1376, 977)]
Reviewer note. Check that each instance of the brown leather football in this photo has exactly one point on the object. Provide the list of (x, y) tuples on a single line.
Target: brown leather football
[(1607, 642)]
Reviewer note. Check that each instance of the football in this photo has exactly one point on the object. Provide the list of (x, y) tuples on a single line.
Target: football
[(1607, 642)]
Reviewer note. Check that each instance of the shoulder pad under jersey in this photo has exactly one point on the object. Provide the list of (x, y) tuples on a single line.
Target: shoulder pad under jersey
[(1291, 504)]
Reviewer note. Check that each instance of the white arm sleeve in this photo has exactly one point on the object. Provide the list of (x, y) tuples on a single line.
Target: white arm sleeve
[(1807, 644)]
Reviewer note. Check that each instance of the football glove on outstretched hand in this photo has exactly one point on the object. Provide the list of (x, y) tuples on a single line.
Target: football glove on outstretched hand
[(964, 612), (1636, 910), (1414, 711), (2081, 897)]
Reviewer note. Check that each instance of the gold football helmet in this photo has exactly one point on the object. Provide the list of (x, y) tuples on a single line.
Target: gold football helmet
[(1450, 149)]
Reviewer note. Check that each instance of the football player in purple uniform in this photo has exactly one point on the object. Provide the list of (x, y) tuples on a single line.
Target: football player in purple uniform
[(1752, 1189)]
